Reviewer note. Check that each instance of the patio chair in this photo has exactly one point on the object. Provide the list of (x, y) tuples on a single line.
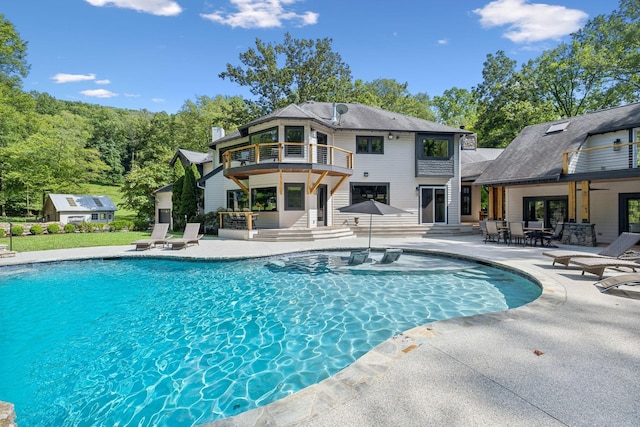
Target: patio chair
[(158, 236), (597, 265), (390, 255), (493, 233), (190, 236), (358, 257), (556, 234), (615, 249), (517, 233), (629, 279), (483, 228)]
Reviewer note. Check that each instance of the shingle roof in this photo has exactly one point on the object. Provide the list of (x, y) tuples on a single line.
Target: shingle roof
[(474, 162), (536, 156), (358, 117), (81, 203), (193, 157)]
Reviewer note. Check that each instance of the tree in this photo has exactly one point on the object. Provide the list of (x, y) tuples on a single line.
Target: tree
[(13, 54), (456, 107), (392, 95), (190, 196), (295, 71), (140, 183), (176, 192)]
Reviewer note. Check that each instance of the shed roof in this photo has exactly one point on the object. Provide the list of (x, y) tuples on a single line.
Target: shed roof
[(358, 117), (81, 203), (535, 155)]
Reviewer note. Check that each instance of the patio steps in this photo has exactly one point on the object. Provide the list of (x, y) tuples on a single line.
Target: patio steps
[(302, 234)]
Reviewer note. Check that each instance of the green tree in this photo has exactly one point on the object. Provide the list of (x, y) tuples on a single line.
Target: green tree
[(139, 185), (292, 72), (392, 95), (176, 192), (455, 107), (13, 55), (190, 194)]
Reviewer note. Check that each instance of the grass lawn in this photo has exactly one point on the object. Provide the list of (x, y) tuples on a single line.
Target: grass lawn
[(73, 240)]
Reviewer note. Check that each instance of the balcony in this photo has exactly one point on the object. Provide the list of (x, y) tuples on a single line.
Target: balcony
[(241, 162), (619, 159)]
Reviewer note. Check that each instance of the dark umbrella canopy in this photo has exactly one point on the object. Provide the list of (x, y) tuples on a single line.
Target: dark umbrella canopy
[(372, 207)]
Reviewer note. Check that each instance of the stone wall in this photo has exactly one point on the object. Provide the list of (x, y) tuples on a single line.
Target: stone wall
[(578, 234)]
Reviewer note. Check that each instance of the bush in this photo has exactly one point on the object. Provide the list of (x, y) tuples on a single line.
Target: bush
[(36, 229), (99, 226), (86, 227), (17, 230), (53, 228), (69, 228), (120, 224), (141, 225)]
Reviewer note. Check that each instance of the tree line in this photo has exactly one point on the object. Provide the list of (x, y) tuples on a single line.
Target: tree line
[(50, 145)]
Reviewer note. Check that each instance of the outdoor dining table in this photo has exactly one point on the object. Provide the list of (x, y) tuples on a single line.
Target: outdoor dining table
[(536, 234)]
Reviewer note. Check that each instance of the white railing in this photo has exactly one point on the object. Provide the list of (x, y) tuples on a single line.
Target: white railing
[(290, 152)]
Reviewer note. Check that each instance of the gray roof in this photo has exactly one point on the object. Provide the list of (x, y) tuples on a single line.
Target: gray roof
[(83, 203), (536, 156), (358, 117), (193, 157), (474, 162)]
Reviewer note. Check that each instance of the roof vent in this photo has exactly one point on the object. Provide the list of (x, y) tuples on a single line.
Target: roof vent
[(558, 127)]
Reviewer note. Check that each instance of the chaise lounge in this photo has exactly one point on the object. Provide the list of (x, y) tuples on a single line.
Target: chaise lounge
[(597, 265), (616, 249), (390, 255), (190, 236), (158, 236), (629, 279)]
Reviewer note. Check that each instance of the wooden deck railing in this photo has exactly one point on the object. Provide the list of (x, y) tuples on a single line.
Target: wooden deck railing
[(607, 158), (238, 220), (293, 152)]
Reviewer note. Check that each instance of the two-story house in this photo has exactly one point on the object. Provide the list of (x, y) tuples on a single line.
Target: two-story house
[(583, 170), (298, 165)]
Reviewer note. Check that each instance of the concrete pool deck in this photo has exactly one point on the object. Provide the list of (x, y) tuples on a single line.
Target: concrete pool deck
[(572, 357)]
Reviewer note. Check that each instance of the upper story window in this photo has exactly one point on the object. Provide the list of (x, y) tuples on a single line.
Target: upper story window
[(265, 136), (293, 134), (370, 144), (435, 146)]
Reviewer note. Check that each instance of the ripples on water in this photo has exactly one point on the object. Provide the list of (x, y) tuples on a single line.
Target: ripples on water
[(166, 342)]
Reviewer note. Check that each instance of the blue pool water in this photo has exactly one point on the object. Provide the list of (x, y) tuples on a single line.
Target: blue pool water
[(168, 342)]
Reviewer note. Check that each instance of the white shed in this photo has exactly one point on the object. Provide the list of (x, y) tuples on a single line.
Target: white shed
[(75, 209)]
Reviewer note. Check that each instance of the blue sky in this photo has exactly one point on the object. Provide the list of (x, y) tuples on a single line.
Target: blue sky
[(157, 54)]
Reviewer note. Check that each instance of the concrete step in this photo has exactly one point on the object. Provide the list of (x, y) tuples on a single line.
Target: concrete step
[(303, 234)]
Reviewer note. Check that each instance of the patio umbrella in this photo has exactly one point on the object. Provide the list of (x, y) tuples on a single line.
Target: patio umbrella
[(372, 207)]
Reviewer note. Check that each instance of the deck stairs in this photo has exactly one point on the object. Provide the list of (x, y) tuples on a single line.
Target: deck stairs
[(345, 232)]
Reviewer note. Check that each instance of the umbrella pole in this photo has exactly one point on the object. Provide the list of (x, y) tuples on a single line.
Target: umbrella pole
[(370, 217)]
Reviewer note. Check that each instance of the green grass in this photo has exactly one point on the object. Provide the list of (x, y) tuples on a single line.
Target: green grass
[(45, 242)]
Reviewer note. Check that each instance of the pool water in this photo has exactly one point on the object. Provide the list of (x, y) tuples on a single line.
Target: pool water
[(169, 342)]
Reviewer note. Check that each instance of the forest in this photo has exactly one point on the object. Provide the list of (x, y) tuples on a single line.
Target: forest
[(54, 146)]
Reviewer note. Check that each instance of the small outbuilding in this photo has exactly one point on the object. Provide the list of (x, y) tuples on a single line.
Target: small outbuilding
[(75, 209)]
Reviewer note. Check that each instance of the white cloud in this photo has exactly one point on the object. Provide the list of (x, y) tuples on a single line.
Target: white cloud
[(443, 41), (103, 82), (99, 93), (531, 22), (71, 78), (154, 7), (132, 95), (157, 100), (261, 14)]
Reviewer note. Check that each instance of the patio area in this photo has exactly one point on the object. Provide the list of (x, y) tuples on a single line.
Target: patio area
[(572, 357)]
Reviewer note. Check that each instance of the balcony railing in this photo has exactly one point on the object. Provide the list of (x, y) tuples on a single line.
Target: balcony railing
[(597, 159), (289, 152)]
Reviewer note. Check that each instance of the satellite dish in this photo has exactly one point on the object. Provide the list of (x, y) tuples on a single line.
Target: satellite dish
[(341, 108)]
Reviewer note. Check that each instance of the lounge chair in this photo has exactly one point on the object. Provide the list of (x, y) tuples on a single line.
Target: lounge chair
[(629, 279), (616, 249), (390, 255), (358, 257), (597, 265), (158, 236), (190, 236)]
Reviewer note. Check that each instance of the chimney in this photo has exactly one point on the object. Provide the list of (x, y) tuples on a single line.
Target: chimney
[(216, 133)]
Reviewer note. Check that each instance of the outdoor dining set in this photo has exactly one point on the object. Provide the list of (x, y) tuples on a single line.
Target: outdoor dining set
[(520, 232)]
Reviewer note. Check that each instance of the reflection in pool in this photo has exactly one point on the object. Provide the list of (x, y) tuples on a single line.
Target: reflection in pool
[(168, 342)]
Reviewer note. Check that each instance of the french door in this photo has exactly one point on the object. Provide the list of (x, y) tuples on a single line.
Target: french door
[(433, 205)]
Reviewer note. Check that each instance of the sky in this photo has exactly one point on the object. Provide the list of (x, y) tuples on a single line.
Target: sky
[(158, 54)]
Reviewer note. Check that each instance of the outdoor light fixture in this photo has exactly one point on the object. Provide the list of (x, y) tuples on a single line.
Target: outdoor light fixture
[(390, 136), (616, 144), (366, 174)]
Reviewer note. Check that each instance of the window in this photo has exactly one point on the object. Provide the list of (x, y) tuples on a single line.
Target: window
[(466, 200), (265, 136), (97, 202), (103, 216), (548, 209), (370, 144), (435, 146), (94, 216), (364, 192), (264, 199), (237, 200), (294, 197), (293, 134)]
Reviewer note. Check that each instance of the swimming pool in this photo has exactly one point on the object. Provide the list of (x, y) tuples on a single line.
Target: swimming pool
[(169, 342)]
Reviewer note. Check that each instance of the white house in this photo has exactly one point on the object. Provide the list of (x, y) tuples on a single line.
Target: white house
[(295, 167), (583, 170), (74, 208)]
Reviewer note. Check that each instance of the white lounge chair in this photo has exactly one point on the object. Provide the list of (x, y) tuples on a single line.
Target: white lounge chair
[(630, 279), (390, 255), (358, 257), (616, 249)]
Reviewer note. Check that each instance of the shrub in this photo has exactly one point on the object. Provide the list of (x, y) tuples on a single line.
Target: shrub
[(86, 227), (99, 226), (141, 225), (53, 228), (69, 228), (17, 230), (118, 225), (36, 229)]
